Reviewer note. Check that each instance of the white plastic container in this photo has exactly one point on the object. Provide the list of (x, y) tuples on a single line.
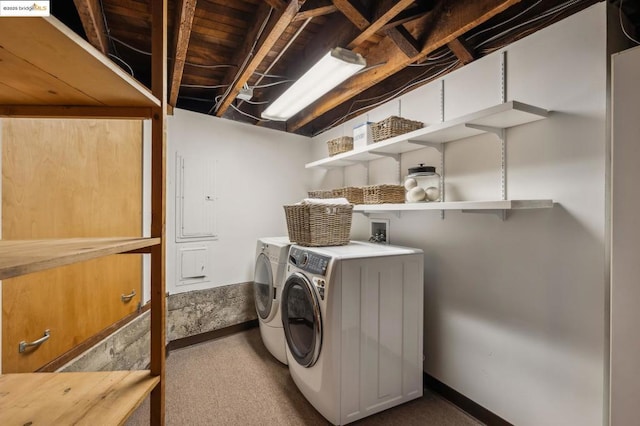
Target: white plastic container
[(362, 135)]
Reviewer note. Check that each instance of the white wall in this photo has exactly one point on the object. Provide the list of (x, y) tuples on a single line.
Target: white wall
[(515, 315), (625, 268), (258, 170)]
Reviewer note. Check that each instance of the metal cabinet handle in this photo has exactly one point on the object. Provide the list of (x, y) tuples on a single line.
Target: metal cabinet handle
[(127, 297), (22, 346)]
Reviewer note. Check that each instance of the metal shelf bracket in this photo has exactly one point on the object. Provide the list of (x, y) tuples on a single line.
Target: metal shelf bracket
[(387, 154), (396, 157), (501, 213), (438, 146), (498, 131)]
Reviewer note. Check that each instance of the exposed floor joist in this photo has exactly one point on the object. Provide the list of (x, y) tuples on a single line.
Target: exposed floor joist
[(354, 12), (462, 50), (90, 13), (313, 13), (468, 14), (407, 15), (274, 30), (397, 38), (277, 4), (182, 32), (344, 31), (385, 12)]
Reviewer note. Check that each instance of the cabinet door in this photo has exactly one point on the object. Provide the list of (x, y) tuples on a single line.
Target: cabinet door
[(68, 178), (381, 335)]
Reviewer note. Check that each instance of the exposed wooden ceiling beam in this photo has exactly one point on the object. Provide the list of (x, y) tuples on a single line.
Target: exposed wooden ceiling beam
[(342, 32), (415, 77), (405, 16), (264, 12), (91, 17), (312, 13), (410, 78), (181, 34), (456, 20), (273, 31), (277, 4), (462, 50), (404, 40), (354, 12), (385, 12)]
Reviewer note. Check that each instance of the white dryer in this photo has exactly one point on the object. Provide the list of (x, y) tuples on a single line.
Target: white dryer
[(353, 321), (271, 260)]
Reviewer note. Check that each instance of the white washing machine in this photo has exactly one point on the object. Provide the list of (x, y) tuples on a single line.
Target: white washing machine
[(353, 321), (271, 261)]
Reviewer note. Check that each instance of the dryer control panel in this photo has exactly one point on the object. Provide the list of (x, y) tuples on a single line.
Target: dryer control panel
[(309, 261)]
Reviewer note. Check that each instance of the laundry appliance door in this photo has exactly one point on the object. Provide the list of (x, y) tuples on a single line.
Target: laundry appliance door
[(263, 289), (301, 319)]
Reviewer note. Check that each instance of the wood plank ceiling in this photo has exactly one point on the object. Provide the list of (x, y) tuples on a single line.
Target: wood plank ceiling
[(219, 47)]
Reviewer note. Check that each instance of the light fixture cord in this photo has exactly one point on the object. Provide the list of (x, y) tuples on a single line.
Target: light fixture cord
[(244, 63), (622, 25)]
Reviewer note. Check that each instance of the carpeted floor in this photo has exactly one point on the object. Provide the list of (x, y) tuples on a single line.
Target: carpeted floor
[(235, 381)]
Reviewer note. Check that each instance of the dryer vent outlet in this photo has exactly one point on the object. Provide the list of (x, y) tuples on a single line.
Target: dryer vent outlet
[(379, 231)]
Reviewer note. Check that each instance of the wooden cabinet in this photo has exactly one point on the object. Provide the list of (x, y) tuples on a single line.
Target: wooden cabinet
[(62, 179), (48, 71)]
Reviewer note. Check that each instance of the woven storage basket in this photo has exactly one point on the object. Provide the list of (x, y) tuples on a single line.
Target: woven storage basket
[(393, 126), (315, 225), (353, 194), (321, 193), (382, 194), (341, 144)]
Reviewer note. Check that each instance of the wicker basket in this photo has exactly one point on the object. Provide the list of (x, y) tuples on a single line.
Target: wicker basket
[(383, 194), (393, 126), (341, 144), (353, 194), (321, 193), (315, 225)]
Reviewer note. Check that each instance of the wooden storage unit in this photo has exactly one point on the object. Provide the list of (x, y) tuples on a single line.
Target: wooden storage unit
[(48, 71), (68, 178)]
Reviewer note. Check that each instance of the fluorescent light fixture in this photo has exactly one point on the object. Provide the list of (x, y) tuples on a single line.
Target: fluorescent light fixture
[(334, 68)]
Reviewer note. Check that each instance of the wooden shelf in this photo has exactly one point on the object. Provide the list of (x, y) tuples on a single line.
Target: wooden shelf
[(456, 205), (100, 398), (44, 63), (26, 256), (49, 71), (502, 116)]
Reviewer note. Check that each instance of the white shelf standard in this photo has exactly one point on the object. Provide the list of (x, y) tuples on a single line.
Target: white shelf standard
[(502, 116)]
